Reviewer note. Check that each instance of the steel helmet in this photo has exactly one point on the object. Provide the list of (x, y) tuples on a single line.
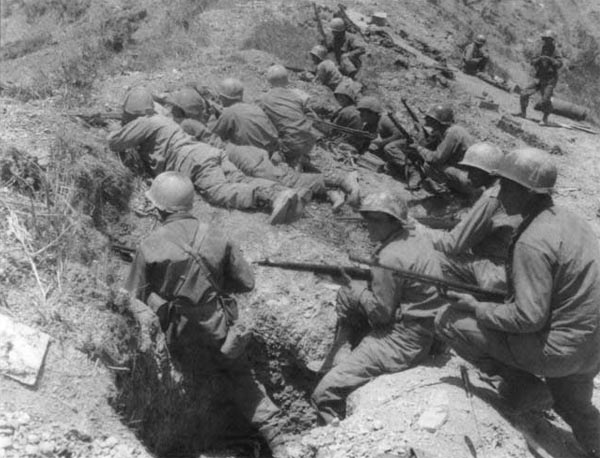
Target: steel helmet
[(337, 25), (231, 89), (189, 100), (138, 102), (385, 202), (348, 88), (371, 104), (549, 34), (442, 113), (529, 167), (480, 39), (277, 75), (319, 52), (483, 156), (171, 192)]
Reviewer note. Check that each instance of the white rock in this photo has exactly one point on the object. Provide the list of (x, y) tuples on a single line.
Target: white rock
[(46, 447), (31, 450), (110, 442), (33, 438), (122, 451), (22, 418), (5, 442)]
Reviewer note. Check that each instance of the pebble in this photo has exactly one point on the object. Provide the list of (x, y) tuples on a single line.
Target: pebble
[(122, 451), (46, 447), (5, 442), (110, 442), (22, 418), (33, 438), (31, 449)]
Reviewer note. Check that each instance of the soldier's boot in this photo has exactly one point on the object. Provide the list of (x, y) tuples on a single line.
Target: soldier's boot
[(413, 178), (286, 204), (351, 187), (521, 392), (341, 347), (337, 199)]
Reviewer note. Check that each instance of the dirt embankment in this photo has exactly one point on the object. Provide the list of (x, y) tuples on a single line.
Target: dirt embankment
[(83, 56)]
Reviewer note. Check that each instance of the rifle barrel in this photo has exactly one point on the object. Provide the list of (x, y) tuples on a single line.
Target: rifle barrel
[(491, 294), (348, 130), (328, 269)]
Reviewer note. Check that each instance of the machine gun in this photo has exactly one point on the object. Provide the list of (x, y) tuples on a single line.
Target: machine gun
[(441, 284)]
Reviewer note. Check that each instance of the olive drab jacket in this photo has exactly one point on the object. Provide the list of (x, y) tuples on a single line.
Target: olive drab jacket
[(547, 63), (486, 230), (555, 278), (392, 298), (451, 149)]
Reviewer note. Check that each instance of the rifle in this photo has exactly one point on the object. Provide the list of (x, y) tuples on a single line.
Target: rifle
[(356, 273), (99, 119), (294, 69), (319, 23), (399, 126), (347, 130), (434, 222), (415, 118), (126, 253), (350, 25), (440, 283)]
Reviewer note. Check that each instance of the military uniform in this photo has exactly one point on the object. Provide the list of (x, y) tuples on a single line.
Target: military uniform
[(476, 250), (441, 160), (349, 116), (347, 49), (201, 323), (163, 145), (328, 74), (246, 124), (546, 67), (550, 324), (399, 314), (287, 111), (475, 59)]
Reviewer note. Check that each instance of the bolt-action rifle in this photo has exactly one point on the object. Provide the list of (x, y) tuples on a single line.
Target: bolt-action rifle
[(417, 122), (319, 22), (441, 284), (356, 273), (347, 130), (98, 119)]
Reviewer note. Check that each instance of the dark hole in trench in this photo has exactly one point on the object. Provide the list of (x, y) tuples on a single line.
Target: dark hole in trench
[(182, 417)]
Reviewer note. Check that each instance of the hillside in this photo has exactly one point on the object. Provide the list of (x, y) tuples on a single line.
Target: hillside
[(64, 196)]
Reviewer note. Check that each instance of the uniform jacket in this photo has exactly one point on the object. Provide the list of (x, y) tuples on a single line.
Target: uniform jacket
[(546, 65), (451, 149), (349, 116), (486, 230), (287, 111), (474, 52), (246, 124), (328, 74), (347, 45), (160, 261), (393, 296), (555, 277), (156, 138)]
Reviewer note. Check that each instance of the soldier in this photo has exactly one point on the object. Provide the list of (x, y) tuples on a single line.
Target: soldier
[(476, 250), (445, 148), (242, 123), (475, 57), (326, 72), (546, 67), (346, 47), (255, 162), (164, 146), (198, 313), (287, 111), (549, 326), (388, 323), (348, 115)]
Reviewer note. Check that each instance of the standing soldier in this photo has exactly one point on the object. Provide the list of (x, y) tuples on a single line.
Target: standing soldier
[(185, 271), (546, 66), (388, 323), (549, 325), (476, 250), (475, 57), (346, 47)]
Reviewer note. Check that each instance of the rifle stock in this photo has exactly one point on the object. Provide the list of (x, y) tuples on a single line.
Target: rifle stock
[(319, 22), (441, 284), (356, 273)]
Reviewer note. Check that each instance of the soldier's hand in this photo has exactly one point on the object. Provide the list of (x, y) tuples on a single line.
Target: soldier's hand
[(344, 278), (462, 301)]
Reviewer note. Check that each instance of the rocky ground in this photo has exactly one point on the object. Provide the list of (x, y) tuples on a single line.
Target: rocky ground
[(81, 405)]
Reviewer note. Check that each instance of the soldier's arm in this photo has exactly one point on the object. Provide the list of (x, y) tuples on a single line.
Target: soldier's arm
[(530, 309), (222, 126), (378, 300), (444, 151), (468, 54), (130, 135), (239, 277), (471, 229), (357, 47), (137, 282)]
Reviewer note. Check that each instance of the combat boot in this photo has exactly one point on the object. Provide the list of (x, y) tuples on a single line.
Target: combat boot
[(337, 199), (521, 392), (350, 185), (286, 204)]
